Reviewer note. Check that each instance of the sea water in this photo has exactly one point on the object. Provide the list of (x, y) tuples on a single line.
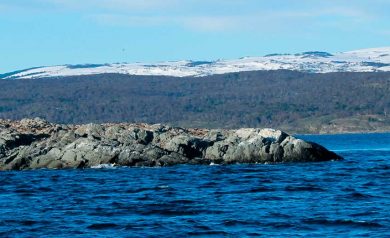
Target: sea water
[(340, 198)]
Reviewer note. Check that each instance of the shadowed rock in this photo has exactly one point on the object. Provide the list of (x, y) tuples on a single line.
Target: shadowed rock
[(35, 143)]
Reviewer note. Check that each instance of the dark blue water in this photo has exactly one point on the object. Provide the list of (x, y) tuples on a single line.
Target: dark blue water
[(345, 198)]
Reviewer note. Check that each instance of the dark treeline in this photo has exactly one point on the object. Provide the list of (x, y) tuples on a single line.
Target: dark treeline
[(246, 99)]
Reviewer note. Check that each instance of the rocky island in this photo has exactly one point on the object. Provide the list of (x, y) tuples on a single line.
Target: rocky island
[(36, 143)]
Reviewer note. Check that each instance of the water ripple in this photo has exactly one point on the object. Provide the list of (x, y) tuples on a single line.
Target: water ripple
[(346, 198)]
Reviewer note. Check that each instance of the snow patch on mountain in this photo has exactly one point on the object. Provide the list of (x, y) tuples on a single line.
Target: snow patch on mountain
[(365, 60)]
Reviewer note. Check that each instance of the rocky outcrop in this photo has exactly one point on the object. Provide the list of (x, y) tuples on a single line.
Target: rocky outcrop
[(35, 143)]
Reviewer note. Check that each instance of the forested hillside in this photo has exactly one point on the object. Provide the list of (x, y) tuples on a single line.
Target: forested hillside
[(294, 101)]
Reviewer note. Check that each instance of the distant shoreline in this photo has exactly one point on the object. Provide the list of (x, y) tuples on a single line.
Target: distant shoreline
[(295, 102), (341, 133)]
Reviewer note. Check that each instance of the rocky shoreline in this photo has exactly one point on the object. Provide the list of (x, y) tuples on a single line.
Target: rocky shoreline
[(36, 143)]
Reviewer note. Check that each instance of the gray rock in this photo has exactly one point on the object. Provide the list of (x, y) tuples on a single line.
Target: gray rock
[(35, 143)]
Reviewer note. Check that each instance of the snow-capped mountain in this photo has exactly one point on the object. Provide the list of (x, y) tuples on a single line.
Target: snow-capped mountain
[(365, 60)]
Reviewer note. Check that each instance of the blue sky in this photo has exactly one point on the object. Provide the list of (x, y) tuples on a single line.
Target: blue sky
[(52, 32)]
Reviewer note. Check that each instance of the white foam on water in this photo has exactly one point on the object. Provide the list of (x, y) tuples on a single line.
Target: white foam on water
[(104, 166)]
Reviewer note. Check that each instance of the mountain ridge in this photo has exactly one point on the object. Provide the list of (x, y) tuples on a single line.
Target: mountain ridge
[(363, 60)]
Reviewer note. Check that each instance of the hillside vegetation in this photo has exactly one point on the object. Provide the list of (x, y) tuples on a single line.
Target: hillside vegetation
[(293, 101)]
